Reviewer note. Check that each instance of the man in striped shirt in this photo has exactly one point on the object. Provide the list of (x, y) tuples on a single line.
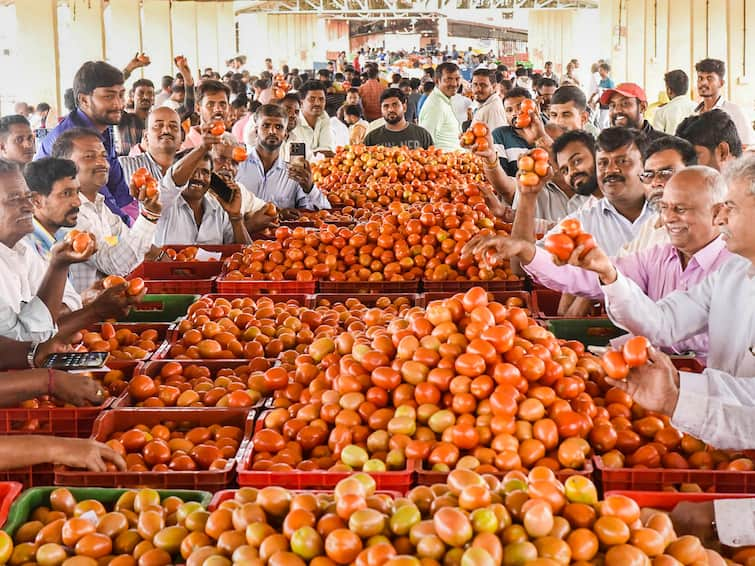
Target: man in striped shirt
[(163, 140)]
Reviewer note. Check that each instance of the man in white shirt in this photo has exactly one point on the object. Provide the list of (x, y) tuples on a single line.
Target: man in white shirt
[(163, 135), (437, 113), (670, 115), (120, 248), (718, 405), (710, 83), (34, 303), (489, 105), (314, 127), (663, 158)]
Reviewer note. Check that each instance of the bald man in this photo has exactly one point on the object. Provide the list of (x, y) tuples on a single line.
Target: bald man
[(162, 138)]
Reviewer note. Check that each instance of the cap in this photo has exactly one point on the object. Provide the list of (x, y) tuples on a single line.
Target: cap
[(624, 89)]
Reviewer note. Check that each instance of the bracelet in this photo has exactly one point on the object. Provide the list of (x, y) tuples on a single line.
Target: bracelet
[(489, 167), (50, 375), (235, 218), (32, 354)]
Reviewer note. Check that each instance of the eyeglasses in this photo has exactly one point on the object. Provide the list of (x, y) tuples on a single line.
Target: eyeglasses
[(662, 174)]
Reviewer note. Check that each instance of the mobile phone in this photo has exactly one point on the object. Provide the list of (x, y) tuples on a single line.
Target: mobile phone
[(298, 152), (76, 360), (220, 188)]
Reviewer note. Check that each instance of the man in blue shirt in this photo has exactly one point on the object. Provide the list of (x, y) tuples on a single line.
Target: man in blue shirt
[(98, 90), (266, 174)]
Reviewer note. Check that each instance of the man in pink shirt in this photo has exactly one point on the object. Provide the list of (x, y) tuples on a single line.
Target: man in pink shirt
[(213, 106), (688, 206)]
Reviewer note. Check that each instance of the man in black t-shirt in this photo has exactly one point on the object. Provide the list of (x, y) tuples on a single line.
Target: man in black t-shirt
[(397, 131)]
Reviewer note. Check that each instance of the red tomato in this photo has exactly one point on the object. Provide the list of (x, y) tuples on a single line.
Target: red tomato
[(635, 351), (571, 227), (560, 245), (614, 364)]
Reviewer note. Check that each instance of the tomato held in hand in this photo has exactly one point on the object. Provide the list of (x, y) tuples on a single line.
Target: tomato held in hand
[(571, 227), (139, 177), (239, 154), (529, 179), (560, 245), (467, 138), (479, 129), (635, 351), (112, 281), (614, 364), (150, 187), (135, 286), (526, 163), (218, 128), (527, 105), (523, 120)]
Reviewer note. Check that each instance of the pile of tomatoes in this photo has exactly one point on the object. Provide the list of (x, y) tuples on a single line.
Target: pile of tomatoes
[(401, 243), (196, 385), (188, 253), (476, 137), (122, 344), (175, 446)]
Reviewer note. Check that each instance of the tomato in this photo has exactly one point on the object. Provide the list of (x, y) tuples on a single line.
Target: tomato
[(480, 129), (342, 546), (470, 365), (571, 227), (80, 242), (139, 177), (528, 105), (586, 241), (112, 281), (239, 154), (135, 286), (529, 179), (526, 164), (522, 120), (217, 128), (560, 245), (614, 364), (538, 153), (635, 351), (467, 138)]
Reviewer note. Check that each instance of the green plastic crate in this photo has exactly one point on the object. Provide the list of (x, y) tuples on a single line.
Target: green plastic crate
[(161, 308), (40, 496), (589, 331)]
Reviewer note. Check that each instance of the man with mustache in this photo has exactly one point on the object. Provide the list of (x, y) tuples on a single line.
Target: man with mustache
[(665, 157), (120, 248), (265, 174), (314, 127), (710, 83), (163, 135), (17, 141), (132, 124), (213, 100), (627, 103), (98, 95)]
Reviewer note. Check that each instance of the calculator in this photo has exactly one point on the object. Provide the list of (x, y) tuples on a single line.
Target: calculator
[(76, 360)]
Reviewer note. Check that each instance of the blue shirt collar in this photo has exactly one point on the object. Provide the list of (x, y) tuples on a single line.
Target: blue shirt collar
[(255, 158)]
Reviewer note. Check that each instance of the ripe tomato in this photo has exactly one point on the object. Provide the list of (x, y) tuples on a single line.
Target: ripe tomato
[(139, 177), (571, 227), (635, 351), (526, 164), (529, 179), (239, 154), (538, 154), (479, 129), (614, 364), (135, 286), (217, 128), (560, 245), (522, 120), (528, 105), (586, 241)]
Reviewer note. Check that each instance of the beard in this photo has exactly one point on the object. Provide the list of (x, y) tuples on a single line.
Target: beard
[(394, 119), (271, 144), (587, 187)]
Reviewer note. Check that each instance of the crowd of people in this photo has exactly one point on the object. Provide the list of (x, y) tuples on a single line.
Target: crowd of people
[(667, 193)]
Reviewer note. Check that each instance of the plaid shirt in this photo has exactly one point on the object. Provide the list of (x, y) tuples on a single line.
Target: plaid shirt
[(119, 248), (370, 93)]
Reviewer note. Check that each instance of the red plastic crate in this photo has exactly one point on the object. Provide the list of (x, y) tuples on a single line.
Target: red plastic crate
[(667, 500), (368, 287), (180, 277), (227, 494), (163, 336), (399, 481), (30, 476), (254, 287), (124, 419), (153, 368), (428, 477), (74, 422), (658, 479), (367, 299), (461, 286), (9, 490), (545, 305), (499, 296)]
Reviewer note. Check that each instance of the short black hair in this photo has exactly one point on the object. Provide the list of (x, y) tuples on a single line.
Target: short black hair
[(404, 83), (430, 72), (68, 100), (549, 63), (271, 111), (372, 72), (710, 129), (310, 86), (142, 82), (570, 93), (43, 107), (518, 92), (166, 81), (415, 82), (605, 67), (677, 81), (292, 96), (484, 73), (711, 66), (679, 145), (545, 81), (520, 72), (95, 74), (41, 174), (611, 139), (428, 87), (580, 136), (393, 93), (447, 67), (352, 110), (211, 87), (63, 146), (11, 120), (506, 83)]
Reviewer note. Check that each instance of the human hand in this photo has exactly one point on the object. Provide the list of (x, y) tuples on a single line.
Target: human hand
[(261, 220), (655, 385), (208, 138), (594, 259), (535, 129), (302, 174), (696, 519), (62, 253), (82, 453), (492, 248), (494, 204), (114, 302), (289, 214), (533, 190), (138, 60), (58, 344), (76, 389)]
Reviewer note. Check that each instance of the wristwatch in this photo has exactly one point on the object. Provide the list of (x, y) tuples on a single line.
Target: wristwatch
[(32, 354)]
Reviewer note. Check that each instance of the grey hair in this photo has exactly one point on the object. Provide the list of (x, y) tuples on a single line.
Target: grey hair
[(742, 169), (710, 179)]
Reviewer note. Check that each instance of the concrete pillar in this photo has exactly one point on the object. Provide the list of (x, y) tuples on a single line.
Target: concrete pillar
[(207, 36), (443, 41), (226, 33), (157, 37), (184, 29), (124, 36), (253, 33), (38, 77)]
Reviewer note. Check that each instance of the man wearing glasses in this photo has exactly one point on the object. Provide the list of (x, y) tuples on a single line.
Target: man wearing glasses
[(664, 157)]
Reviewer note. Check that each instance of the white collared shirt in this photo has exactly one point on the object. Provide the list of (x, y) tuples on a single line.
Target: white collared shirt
[(743, 125), (608, 226), (23, 315), (319, 138), (119, 248), (491, 112), (723, 303), (670, 115)]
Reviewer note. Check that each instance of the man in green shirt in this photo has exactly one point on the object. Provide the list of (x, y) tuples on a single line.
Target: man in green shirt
[(437, 114)]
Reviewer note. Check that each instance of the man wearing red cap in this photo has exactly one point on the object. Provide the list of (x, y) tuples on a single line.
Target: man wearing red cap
[(626, 105)]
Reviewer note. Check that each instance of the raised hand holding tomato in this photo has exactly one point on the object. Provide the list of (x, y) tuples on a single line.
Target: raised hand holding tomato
[(533, 171), (73, 249)]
